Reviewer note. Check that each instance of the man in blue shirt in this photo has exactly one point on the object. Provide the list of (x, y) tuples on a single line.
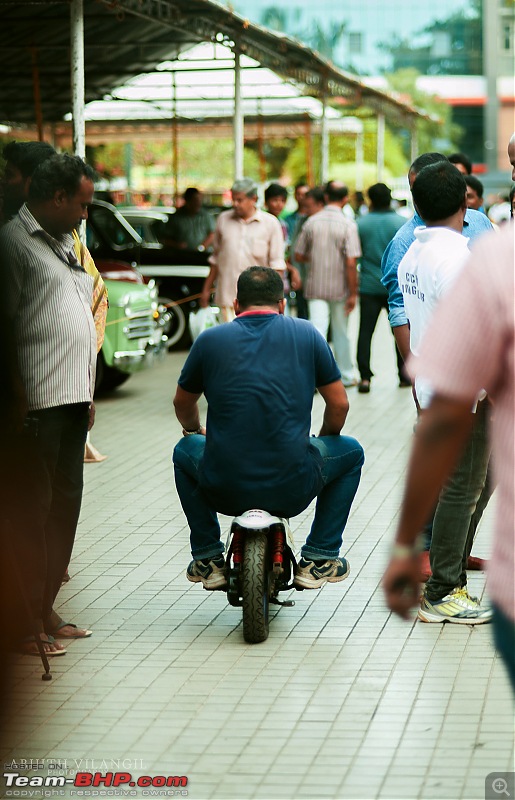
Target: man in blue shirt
[(258, 374), (474, 225)]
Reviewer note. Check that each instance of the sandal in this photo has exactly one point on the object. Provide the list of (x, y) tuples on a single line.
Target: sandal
[(79, 633), (29, 646)]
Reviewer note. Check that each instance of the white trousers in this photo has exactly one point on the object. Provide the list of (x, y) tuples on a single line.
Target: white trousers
[(321, 312)]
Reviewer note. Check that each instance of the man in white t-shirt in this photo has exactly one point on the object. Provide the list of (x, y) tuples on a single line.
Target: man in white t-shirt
[(427, 271)]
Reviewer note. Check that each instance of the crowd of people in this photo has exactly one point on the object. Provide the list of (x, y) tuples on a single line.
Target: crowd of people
[(256, 445)]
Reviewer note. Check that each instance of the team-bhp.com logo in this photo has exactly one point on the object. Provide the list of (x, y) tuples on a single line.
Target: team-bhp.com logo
[(91, 781)]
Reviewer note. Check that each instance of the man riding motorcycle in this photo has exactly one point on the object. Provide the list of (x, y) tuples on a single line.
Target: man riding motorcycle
[(259, 374)]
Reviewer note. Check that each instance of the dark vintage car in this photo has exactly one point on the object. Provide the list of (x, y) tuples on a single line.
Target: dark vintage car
[(179, 274)]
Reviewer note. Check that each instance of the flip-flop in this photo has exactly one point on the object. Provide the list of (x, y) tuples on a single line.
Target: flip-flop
[(55, 633), (47, 640)]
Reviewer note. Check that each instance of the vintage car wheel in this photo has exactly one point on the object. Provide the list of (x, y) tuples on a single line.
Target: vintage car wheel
[(107, 378), (176, 330)]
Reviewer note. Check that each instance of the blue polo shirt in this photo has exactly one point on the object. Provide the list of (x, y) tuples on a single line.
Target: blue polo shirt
[(474, 225), (258, 374)]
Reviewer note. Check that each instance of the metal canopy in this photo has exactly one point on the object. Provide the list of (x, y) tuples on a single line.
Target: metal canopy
[(124, 38)]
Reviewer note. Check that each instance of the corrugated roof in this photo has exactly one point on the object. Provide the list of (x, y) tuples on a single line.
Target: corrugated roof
[(124, 38)]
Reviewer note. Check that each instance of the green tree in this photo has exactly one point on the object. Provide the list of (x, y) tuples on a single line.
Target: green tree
[(204, 163), (439, 134), (452, 46), (342, 156), (322, 38), (326, 40)]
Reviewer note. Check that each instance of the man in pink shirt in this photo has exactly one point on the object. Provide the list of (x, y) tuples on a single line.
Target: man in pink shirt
[(470, 344), (244, 237)]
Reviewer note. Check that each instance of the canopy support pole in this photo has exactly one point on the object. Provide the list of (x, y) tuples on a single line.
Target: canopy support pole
[(77, 77), (324, 143), (238, 118), (380, 146)]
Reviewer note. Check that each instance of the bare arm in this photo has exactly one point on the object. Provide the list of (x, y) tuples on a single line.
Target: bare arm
[(439, 439), (351, 279), (294, 276), (186, 410), (208, 241), (401, 333), (336, 408), (205, 295)]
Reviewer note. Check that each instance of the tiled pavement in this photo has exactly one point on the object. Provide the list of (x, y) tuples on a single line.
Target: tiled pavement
[(342, 701)]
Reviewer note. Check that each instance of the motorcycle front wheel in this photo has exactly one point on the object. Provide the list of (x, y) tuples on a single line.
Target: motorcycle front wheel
[(255, 588)]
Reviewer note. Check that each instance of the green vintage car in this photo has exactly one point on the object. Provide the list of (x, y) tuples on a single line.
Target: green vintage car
[(134, 327), (136, 322)]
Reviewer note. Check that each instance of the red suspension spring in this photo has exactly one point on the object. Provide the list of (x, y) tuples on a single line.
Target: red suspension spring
[(237, 547), (278, 543)]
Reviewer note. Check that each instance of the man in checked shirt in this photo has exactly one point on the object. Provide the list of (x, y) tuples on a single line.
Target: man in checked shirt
[(329, 244)]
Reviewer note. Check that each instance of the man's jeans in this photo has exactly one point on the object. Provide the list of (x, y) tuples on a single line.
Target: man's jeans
[(342, 459), (453, 532), (504, 638), (320, 313)]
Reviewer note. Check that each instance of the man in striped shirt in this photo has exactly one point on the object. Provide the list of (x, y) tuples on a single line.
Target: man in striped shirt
[(329, 243), (48, 297)]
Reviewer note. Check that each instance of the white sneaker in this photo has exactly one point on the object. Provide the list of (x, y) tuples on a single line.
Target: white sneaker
[(457, 606)]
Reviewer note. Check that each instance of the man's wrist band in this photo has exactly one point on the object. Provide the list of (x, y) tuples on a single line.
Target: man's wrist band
[(192, 433), (403, 550)]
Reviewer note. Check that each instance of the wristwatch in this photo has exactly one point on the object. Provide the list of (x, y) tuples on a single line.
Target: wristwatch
[(192, 433)]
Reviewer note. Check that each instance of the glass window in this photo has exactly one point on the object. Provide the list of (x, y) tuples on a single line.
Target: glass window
[(110, 228), (355, 43), (507, 36)]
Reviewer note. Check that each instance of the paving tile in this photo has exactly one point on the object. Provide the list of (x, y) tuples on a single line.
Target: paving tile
[(342, 701)]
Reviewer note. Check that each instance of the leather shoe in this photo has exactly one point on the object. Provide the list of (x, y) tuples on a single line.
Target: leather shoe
[(475, 563)]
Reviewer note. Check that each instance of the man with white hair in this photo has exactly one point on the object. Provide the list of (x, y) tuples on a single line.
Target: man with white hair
[(245, 237)]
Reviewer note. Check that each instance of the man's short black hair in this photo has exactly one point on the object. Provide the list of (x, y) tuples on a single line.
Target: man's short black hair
[(57, 173), (380, 196), (424, 160), (461, 158), (474, 184), (190, 192), (26, 156), (275, 190), (335, 191), (259, 286), (439, 191), (317, 194)]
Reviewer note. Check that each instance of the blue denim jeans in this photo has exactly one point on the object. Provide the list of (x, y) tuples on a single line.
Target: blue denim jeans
[(341, 461), (504, 638)]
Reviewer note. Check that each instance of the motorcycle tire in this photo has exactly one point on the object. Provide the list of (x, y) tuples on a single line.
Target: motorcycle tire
[(255, 589)]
